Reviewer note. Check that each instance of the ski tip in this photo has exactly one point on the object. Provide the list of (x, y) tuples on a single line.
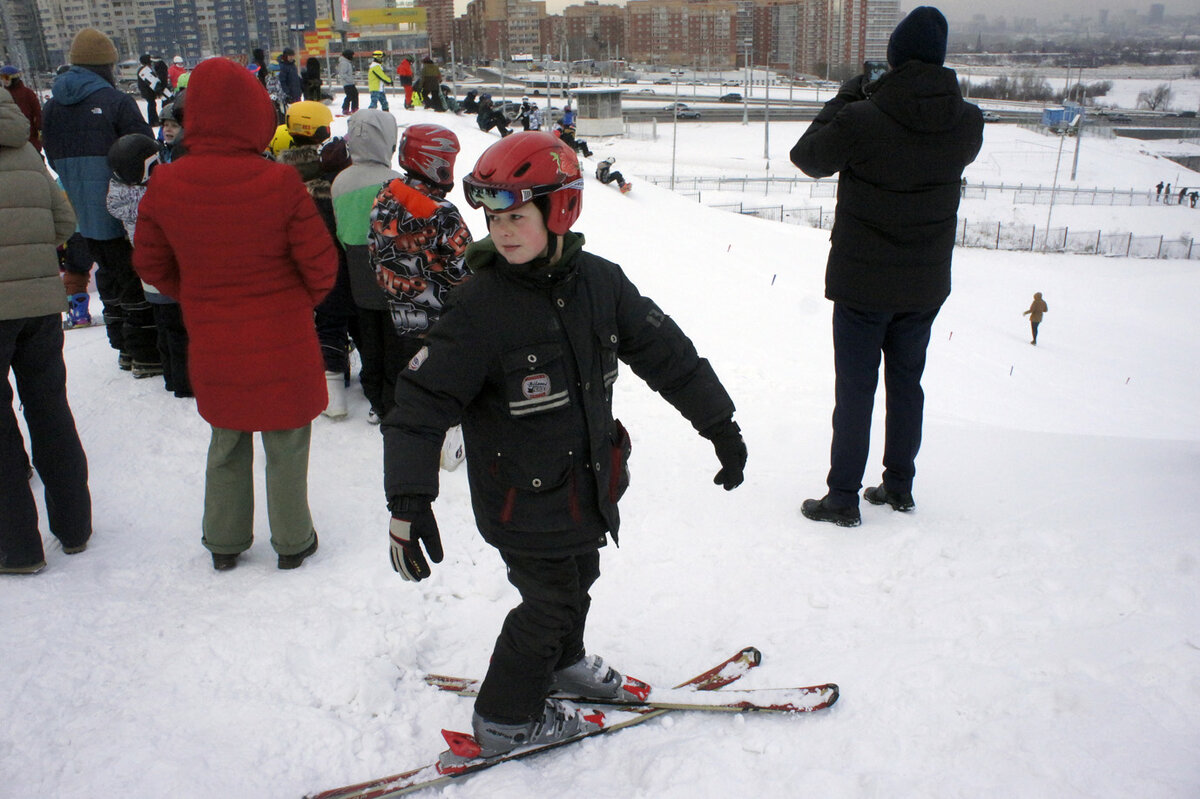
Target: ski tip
[(752, 654), (461, 743)]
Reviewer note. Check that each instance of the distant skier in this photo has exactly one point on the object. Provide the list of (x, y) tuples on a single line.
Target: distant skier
[(1036, 309), (606, 174)]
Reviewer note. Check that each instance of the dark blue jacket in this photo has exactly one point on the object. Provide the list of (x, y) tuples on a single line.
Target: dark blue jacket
[(80, 122), (289, 81), (899, 154)]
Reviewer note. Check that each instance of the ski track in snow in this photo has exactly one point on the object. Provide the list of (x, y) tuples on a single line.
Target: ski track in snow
[(1031, 629)]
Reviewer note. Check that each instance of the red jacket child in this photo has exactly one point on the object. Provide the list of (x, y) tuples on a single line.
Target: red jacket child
[(236, 238)]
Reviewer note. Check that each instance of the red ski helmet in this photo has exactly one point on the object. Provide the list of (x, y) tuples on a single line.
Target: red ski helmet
[(428, 152), (524, 167)]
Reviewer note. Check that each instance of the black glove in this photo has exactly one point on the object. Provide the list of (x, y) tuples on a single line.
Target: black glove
[(412, 523), (852, 90), (726, 437)]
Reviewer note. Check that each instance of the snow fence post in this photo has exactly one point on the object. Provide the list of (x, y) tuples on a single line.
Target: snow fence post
[(1033, 238), (998, 235), (1160, 241)]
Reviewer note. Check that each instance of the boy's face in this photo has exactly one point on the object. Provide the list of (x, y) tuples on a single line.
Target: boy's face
[(519, 233), (170, 129)]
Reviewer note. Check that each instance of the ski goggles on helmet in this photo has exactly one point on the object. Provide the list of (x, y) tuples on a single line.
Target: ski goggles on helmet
[(495, 198)]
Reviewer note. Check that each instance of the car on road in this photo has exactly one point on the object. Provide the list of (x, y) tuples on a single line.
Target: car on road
[(646, 91), (991, 116), (687, 113), (673, 106), (628, 80), (732, 97), (663, 82), (1119, 118)]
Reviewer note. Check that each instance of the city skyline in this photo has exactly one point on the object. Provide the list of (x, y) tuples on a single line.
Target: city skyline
[(960, 11)]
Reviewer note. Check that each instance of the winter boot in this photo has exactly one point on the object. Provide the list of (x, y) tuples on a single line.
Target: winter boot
[(77, 314), (899, 500), (558, 722), (336, 383), (819, 510), (142, 369), (125, 361), (626, 187), (591, 678)]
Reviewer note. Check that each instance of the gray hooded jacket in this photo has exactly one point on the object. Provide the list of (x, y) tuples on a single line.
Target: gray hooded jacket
[(371, 139)]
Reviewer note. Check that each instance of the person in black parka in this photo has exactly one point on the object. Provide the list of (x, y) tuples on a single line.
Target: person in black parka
[(899, 145)]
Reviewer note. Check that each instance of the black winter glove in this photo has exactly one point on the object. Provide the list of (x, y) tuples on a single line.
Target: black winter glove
[(852, 90), (412, 523), (726, 437)]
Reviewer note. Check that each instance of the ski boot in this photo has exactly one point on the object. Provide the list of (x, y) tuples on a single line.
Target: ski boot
[(626, 187), (77, 314), (591, 678), (558, 722)]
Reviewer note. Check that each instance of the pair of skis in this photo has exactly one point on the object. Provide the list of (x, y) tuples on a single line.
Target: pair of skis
[(463, 756)]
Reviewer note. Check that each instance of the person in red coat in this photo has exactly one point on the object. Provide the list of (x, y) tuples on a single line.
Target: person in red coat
[(237, 239), (405, 71), (27, 100)]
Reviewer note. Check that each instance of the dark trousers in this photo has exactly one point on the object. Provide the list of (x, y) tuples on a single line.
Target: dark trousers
[(542, 634), (32, 349), (1034, 326), (859, 338), (332, 318), (127, 315), (172, 347), (384, 355), (350, 102)]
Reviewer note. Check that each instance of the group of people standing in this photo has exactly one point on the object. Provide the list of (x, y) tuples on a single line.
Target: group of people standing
[(424, 88), (1162, 194), (518, 336)]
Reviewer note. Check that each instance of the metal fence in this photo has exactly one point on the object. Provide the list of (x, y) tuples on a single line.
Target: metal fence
[(986, 235)]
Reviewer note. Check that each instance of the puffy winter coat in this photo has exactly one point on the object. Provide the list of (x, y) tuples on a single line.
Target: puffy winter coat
[(527, 361), (236, 238), (35, 217), (376, 77), (899, 155), (27, 100), (371, 139), (80, 122), (289, 81)]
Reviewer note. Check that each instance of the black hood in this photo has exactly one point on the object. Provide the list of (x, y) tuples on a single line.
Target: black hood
[(921, 97)]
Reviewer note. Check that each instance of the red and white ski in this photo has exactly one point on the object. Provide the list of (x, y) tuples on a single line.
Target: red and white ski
[(460, 760)]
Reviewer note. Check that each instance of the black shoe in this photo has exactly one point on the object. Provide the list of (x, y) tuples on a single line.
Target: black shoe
[(819, 510), (224, 562), (294, 561), (125, 362), (74, 549), (899, 500), (31, 568)]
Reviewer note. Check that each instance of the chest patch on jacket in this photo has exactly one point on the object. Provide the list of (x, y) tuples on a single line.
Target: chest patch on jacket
[(536, 386)]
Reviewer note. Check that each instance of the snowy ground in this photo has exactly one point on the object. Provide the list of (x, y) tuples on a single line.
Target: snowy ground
[(1030, 630)]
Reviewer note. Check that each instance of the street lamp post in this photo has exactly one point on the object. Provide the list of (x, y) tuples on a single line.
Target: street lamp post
[(746, 96)]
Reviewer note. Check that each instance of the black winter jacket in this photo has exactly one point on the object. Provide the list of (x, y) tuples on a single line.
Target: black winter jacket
[(527, 361), (900, 155)]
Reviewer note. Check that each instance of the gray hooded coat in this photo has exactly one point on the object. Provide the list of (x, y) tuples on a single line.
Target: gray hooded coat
[(371, 139)]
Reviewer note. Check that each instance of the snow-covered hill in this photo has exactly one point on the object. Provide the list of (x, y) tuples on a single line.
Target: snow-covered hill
[(1030, 630)]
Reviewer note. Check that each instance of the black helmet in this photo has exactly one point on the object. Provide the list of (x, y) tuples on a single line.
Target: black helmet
[(174, 109), (348, 53), (145, 59), (287, 51), (133, 157)]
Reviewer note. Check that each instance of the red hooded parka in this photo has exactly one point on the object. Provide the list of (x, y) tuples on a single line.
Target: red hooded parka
[(237, 239)]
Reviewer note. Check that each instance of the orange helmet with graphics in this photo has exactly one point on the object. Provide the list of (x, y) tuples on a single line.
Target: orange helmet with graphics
[(428, 152), (529, 167)]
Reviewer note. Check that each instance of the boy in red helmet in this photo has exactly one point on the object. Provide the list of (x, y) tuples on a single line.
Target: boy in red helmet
[(525, 357)]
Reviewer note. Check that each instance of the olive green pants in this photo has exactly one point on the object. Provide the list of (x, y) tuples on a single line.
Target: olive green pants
[(229, 491)]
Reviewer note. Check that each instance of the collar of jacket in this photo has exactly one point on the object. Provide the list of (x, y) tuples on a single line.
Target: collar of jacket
[(482, 255)]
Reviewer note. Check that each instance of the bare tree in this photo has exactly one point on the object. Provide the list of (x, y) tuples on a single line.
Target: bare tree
[(1156, 100)]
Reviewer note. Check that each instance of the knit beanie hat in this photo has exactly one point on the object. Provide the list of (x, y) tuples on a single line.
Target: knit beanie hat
[(921, 36), (92, 48)]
